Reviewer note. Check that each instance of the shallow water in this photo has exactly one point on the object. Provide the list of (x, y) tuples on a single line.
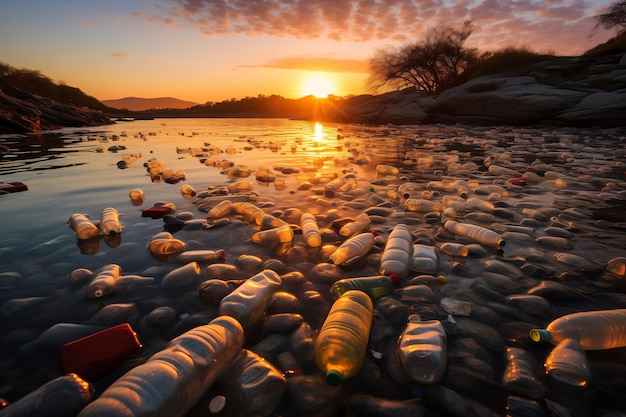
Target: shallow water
[(73, 171)]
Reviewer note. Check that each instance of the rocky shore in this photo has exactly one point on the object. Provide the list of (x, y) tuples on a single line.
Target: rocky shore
[(23, 112), (587, 90)]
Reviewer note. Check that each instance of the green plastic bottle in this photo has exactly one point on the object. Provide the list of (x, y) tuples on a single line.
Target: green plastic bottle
[(375, 286), (341, 345)]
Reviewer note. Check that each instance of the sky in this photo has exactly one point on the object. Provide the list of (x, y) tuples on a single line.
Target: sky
[(215, 50)]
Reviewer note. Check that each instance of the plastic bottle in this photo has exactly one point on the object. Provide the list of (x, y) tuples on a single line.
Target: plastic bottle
[(421, 205), (617, 266), (478, 233), (352, 247), (281, 234), (341, 345), (83, 227), (62, 396), (173, 380), (201, 255), (222, 209), (425, 259), (375, 286), (386, 170), (248, 302), (185, 275), (137, 196), (360, 225), (103, 282), (396, 257), (310, 230), (567, 363), (110, 222), (422, 349), (249, 211), (187, 191), (164, 246), (594, 330), (454, 249)]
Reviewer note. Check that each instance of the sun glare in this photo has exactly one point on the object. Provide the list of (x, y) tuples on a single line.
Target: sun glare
[(318, 85)]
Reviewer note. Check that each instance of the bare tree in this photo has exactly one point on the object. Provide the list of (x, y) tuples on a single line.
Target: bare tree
[(614, 18), (431, 65)]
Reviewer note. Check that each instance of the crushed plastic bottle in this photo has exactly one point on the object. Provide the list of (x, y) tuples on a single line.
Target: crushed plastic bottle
[(422, 349), (341, 345), (425, 259)]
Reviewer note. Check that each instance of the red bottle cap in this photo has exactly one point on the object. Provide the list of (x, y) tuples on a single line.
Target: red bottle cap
[(394, 279)]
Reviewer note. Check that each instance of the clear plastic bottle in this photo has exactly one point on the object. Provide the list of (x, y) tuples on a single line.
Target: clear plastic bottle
[(375, 286), (396, 257), (425, 259), (83, 227), (360, 225), (248, 302), (454, 249), (201, 255), (182, 276), (352, 247), (421, 205), (310, 230), (594, 330), (110, 222), (480, 234), (422, 349), (282, 234), (221, 209), (567, 363), (173, 380), (164, 249), (187, 191), (137, 196), (341, 345), (103, 281)]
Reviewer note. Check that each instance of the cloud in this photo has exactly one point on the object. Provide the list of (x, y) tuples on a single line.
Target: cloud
[(379, 20), (321, 64)]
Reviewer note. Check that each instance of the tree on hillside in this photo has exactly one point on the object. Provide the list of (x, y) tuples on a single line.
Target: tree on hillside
[(431, 65), (614, 18)]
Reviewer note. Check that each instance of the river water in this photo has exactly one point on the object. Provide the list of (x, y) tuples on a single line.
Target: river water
[(575, 189)]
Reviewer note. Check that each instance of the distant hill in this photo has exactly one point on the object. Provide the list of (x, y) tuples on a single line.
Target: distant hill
[(141, 104)]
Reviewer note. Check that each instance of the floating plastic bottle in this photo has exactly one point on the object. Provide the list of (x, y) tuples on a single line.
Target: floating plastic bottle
[(396, 257), (201, 255), (594, 330), (248, 302), (421, 205), (222, 209), (187, 191), (422, 349), (352, 247), (137, 196), (567, 363), (110, 222), (164, 246), (310, 230), (62, 396), (283, 234), (83, 227), (341, 345), (173, 380), (103, 282), (375, 286), (386, 170), (480, 234), (425, 259), (359, 225), (185, 275)]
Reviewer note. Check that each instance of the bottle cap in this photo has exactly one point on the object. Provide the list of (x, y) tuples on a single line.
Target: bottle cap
[(217, 404), (539, 335), (501, 243), (394, 279), (333, 378)]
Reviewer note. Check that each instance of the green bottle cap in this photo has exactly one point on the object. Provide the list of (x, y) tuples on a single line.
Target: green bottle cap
[(539, 335), (333, 378)]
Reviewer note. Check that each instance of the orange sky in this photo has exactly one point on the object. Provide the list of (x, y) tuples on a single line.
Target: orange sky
[(213, 50)]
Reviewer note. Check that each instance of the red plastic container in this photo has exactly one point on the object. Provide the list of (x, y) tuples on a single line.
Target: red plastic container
[(156, 212), (96, 354), (12, 187)]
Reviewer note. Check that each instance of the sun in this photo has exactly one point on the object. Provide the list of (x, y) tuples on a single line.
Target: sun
[(318, 85)]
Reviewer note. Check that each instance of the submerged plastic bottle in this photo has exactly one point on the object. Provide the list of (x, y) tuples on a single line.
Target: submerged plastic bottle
[(375, 286), (352, 247), (422, 349), (594, 330), (310, 230), (341, 345), (103, 282), (173, 380), (248, 302), (396, 257), (480, 234), (567, 363), (110, 222), (83, 227)]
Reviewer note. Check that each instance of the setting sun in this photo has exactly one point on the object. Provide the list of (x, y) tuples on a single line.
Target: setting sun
[(318, 85)]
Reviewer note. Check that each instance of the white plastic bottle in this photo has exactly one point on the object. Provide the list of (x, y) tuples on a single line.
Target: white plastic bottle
[(480, 234), (594, 330), (83, 227), (310, 230), (352, 247), (221, 209), (396, 257), (422, 349), (421, 205), (425, 259), (248, 302), (282, 234), (110, 222), (567, 363), (360, 225), (173, 380), (103, 281)]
